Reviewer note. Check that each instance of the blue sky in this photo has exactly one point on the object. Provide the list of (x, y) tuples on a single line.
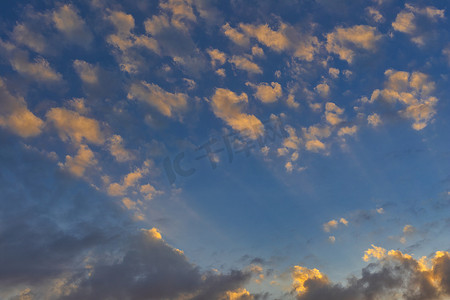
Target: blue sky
[(195, 149)]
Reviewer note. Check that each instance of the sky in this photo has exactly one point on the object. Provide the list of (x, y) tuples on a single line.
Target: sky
[(229, 150)]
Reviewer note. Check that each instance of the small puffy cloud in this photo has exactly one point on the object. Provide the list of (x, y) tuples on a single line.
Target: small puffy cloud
[(312, 135), (323, 89), (228, 106), (376, 252), (116, 148), (345, 41), (408, 229), (343, 221), (374, 120), (348, 130), (153, 233), (75, 127), (289, 167), (333, 113), (15, 115), (87, 72), (332, 239), (71, 25), (285, 38), (380, 210), (243, 63), (221, 72), (257, 51), (181, 10), (334, 73), (407, 21), (404, 22), (333, 224), (128, 181), (126, 43), (23, 34), (375, 14), (276, 40), (165, 102), (77, 165), (412, 91), (236, 36), (330, 225), (267, 93), (290, 101), (301, 277), (39, 69), (217, 57)]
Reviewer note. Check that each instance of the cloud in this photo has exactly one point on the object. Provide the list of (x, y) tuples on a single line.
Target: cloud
[(236, 36), (323, 89), (165, 102), (345, 41), (15, 115), (243, 63), (374, 120), (71, 25), (334, 73), (163, 272), (116, 148), (412, 91), (87, 72), (329, 225), (130, 180), (394, 276), (312, 135), (348, 130), (333, 113), (75, 127), (267, 93), (376, 252), (128, 44), (217, 56), (39, 69), (286, 38), (80, 162), (375, 14), (30, 37), (228, 106), (413, 21)]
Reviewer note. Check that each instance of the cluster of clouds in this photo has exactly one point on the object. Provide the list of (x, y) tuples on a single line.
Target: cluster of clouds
[(148, 267), (394, 275)]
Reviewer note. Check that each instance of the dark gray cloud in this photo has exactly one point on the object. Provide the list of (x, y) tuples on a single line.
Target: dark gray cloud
[(393, 277), (53, 226)]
